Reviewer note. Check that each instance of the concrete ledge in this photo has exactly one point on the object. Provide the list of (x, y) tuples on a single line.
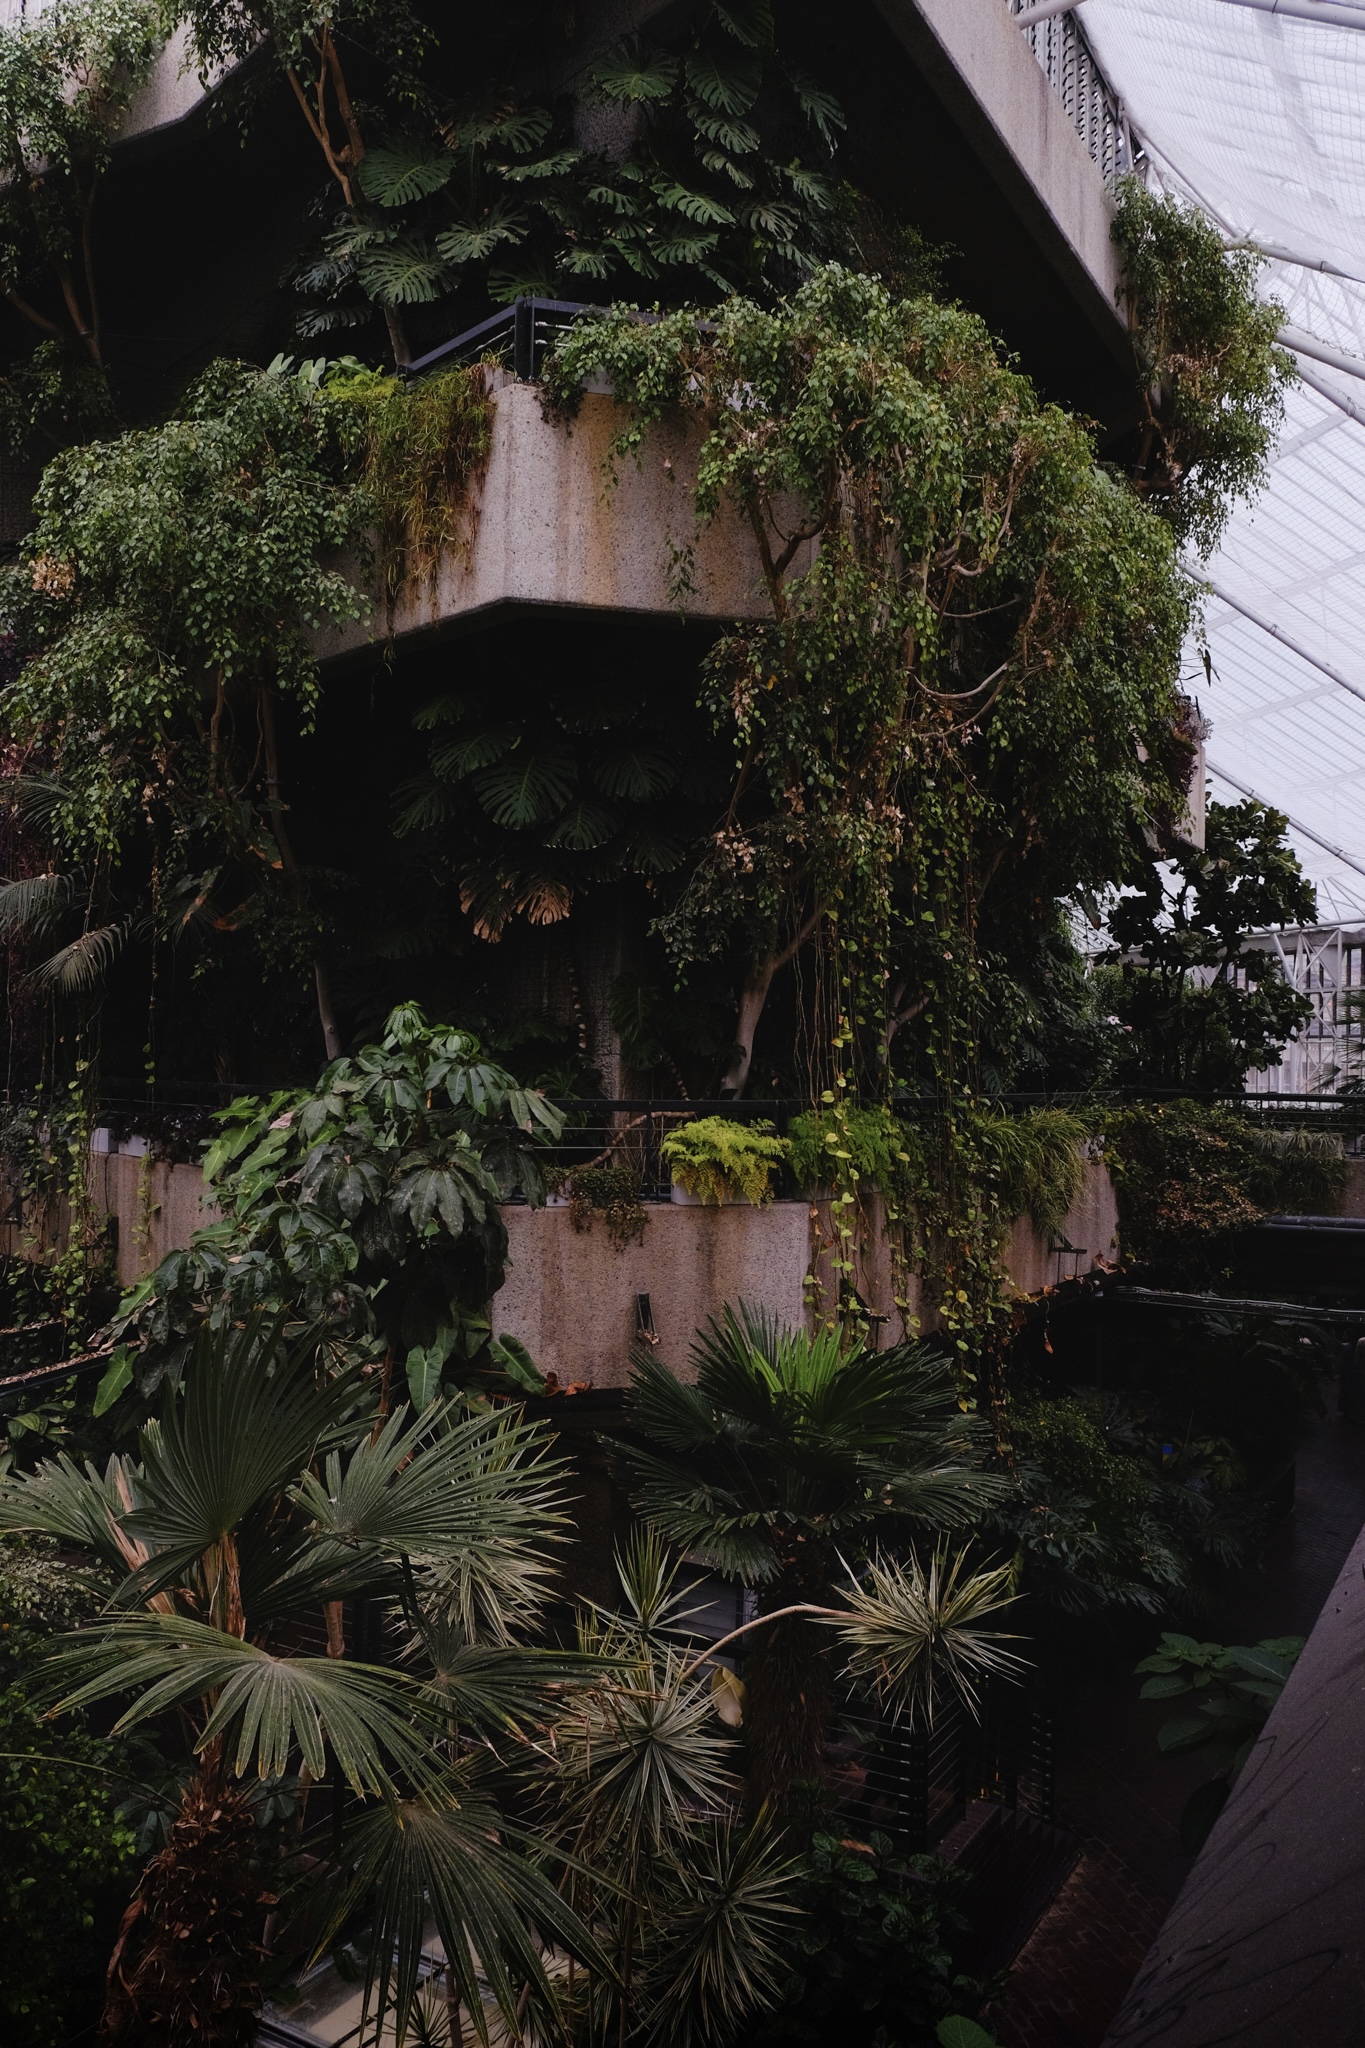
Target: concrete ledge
[(984, 74), (1265, 1946), (548, 527)]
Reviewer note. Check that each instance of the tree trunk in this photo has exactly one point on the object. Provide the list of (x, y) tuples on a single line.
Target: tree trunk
[(791, 1695), (751, 1001), (186, 1966)]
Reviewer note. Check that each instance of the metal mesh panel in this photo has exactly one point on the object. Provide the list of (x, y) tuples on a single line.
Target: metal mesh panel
[(1075, 77)]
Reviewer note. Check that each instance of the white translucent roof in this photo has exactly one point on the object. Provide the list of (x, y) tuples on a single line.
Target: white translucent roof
[(1261, 117)]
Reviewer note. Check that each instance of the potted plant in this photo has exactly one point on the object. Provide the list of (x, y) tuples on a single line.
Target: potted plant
[(718, 1160)]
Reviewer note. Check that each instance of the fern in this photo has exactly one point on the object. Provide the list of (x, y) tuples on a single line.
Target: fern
[(719, 1160)]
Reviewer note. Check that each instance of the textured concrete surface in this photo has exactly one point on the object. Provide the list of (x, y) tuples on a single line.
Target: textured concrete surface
[(1091, 1226), (548, 526), (571, 1295), (986, 76), (158, 1208)]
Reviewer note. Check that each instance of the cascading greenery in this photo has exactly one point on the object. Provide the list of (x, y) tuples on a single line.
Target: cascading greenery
[(970, 680), (166, 600), (1211, 379)]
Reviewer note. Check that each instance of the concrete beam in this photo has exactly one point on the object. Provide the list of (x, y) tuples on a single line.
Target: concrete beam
[(986, 77)]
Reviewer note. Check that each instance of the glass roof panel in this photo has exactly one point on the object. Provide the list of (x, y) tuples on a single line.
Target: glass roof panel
[(1261, 118)]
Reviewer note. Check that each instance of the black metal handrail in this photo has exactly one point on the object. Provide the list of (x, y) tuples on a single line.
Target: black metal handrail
[(521, 332)]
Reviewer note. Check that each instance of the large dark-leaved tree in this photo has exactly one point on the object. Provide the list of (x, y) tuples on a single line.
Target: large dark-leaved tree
[(366, 1207), (1203, 1006)]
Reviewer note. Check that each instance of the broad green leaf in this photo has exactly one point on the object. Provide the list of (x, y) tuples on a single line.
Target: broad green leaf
[(403, 172), (515, 1360), (728, 84), (117, 1376), (624, 76), (424, 1374), (959, 2032)]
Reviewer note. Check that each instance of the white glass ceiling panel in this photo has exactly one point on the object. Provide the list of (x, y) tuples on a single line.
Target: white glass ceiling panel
[(1262, 119)]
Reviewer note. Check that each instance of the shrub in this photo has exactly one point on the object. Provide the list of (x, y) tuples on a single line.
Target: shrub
[(611, 1192), (872, 1964), (66, 1858), (1190, 1176)]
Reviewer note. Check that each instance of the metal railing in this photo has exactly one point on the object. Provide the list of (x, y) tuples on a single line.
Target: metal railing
[(1094, 108), (520, 335)]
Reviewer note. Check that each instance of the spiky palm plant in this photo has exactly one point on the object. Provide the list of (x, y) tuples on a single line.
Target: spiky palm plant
[(265, 1491), (691, 1902), (790, 1456)]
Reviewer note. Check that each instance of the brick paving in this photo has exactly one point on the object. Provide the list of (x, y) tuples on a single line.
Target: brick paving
[(1123, 1799)]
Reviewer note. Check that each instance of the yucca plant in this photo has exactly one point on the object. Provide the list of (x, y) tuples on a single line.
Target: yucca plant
[(266, 1491), (791, 1458), (690, 1901), (694, 1902)]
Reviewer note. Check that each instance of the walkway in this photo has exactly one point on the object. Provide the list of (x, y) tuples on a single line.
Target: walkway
[(1123, 1798)]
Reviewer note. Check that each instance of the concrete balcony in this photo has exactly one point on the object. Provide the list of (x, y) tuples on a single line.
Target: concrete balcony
[(548, 526)]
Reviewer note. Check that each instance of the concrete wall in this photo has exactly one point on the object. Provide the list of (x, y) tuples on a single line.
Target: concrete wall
[(549, 527), (571, 1296), (986, 77)]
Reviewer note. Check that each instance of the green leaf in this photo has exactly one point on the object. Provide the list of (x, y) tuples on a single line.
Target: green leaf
[(516, 1361), (471, 241), (728, 85), (1164, 1688), (553, 166), (404, 272), (697, 206), (959, 2032), (116, 1377), (424, 1365), (628, 77), (402, 172), (1189, 1732), (748, 21), (528, 789), (821, 109)]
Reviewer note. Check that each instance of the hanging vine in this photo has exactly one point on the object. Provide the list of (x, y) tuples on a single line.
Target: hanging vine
[(967, 669)]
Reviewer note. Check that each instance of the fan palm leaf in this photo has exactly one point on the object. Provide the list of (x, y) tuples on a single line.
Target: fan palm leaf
[(447, 1858)]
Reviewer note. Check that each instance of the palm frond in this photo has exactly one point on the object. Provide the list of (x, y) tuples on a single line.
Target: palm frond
[(34, 903), (474, 1511), (82, 965), (248, 1417), (913, 1633), (447, 1859), (76, 1504), (378, 1723)]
